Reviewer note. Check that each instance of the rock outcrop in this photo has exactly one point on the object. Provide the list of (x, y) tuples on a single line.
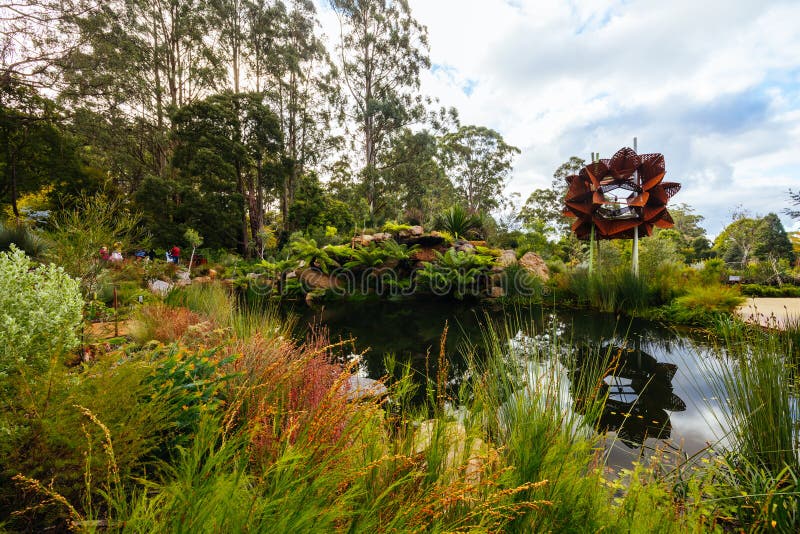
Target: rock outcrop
[(534, 264), (424, 254), (507, 258), (314, 279)]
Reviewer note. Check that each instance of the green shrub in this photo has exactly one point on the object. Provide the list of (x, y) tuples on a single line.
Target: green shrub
[(305, 249), (556, 266), (396, 251), (768, 271), (447, 236), (487, 251), (454, 273), (53, 440), (189, 383), (701, 306), (23, 237), (342, 253), (211, 300), (78, 234), (711, 299), (369, 256), (40, 310), (713, 271), (757, 290), (394, 228)]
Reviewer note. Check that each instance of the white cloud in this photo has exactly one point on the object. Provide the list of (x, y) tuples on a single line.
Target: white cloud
[(713, 85)]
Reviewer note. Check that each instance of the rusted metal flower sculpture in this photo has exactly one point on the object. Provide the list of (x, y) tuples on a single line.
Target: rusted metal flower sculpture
[(615, 196)]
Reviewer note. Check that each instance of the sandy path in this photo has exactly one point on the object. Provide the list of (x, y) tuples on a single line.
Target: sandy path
[(770, 311)]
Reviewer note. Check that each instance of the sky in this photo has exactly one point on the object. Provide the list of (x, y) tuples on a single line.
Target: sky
[(713, 85)]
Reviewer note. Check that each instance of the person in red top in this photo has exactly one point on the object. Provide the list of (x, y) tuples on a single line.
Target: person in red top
[(175, 254), (104, 253)]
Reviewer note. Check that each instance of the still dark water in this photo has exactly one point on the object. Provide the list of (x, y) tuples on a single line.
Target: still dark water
[(657, 398)]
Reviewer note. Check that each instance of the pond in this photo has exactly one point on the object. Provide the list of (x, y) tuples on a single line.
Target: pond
[(657, 398)]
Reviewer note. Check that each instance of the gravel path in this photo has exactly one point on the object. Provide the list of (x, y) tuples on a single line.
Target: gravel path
[(770, 312)]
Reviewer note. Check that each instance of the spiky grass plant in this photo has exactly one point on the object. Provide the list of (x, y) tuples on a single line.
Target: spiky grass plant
[(458, 221), (23, 237), (526, 401), (756, 380)]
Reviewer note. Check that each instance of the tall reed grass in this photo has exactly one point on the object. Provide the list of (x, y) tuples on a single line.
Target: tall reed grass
[(756, 378), (613, 291)]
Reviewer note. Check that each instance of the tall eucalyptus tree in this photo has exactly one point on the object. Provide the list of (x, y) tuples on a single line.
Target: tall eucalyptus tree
[(382, 52)]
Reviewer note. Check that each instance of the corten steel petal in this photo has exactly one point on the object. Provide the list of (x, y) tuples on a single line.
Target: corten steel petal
[(612, 227), (671, 188), (594, 199), (651, 213), (596, 172), (665, 221), (579, 208), (639, 200), (578, 189), (652, 170), (624, 163)]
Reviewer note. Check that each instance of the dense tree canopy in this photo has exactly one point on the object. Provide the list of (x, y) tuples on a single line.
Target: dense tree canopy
[(37, 155), (479, 162), (748, 238)]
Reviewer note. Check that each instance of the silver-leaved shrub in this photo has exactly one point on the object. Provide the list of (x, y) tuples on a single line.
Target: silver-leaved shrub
[(40, 310)]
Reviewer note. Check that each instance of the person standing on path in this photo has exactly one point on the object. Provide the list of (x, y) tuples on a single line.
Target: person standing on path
[(175, 254)]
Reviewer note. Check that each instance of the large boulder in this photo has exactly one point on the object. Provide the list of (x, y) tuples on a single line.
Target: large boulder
[(313, 279), (464, 246), (183, 278), (534, 264), (362, 240), (159, 287), (361, 387), (507, 258)]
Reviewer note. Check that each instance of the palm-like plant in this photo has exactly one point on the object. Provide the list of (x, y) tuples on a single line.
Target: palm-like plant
[(458, 221), (397, 251), (340, 252), (455, 273), (459, 260), (306, 249), (371, 256)]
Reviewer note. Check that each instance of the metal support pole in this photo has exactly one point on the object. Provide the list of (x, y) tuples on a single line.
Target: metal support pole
[(635, 254)]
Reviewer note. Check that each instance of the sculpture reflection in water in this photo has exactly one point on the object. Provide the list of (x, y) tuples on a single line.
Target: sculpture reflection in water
[(639, 394)]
